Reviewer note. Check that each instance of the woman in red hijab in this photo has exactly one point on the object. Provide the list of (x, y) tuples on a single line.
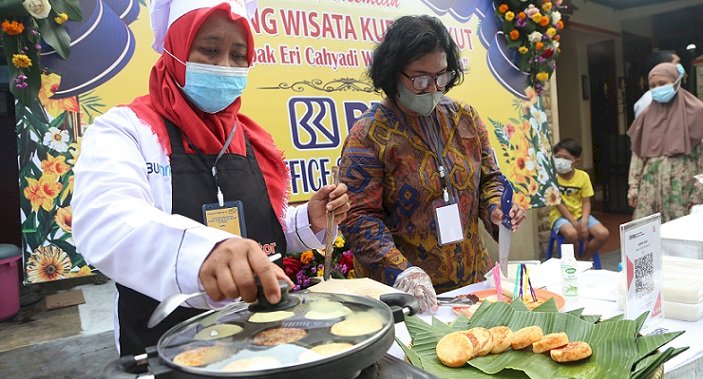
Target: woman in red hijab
[(666, 149), (162, 184)]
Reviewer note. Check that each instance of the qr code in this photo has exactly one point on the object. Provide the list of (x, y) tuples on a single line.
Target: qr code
[(644, 275)]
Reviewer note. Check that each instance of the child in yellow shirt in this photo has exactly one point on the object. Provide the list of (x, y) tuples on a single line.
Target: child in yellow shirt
[(572, 218)]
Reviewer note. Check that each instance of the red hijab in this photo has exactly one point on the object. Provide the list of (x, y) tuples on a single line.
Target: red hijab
[(207, 131)]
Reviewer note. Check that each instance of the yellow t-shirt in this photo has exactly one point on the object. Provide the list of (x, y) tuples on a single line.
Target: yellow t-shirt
[(573, 191)]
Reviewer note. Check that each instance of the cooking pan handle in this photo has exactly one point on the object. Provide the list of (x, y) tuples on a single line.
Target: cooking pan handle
[(401, 305), (127, 367)]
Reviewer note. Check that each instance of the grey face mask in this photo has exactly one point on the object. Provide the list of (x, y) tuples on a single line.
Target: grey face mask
[(423, 104)]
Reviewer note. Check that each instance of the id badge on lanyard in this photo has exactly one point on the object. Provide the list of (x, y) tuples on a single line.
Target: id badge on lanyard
[(223, 215), (447, 215), (448, 221), (228, 217)]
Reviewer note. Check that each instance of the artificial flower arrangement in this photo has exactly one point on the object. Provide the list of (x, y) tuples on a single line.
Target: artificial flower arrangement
[(307, 268), (532, 27), (524, 145), (25, 24)]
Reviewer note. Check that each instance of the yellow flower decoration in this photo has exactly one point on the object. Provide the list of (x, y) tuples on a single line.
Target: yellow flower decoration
[(509, 16), (547, 6), (56, 166), (307, 257), (12, 28), (83, 271), (68, 190), (49, 85), (50, 186), (532, 96), (521, 200), (339, 242), (48, 263), (523, 50), (21, 61), (64, 218), (61, 18), (524, 127), (42, 192), (531, 187), (536, 17), (553, 197), (320, 272), (543, 76), (551, 32)]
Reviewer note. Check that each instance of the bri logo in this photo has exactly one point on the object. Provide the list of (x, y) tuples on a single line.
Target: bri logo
[(314, 123), (158, 169)]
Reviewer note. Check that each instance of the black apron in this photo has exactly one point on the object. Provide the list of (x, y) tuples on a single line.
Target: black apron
[(192, 186)]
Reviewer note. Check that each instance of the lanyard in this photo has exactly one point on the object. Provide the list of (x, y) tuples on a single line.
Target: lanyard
[(433, 135), (220, 197)]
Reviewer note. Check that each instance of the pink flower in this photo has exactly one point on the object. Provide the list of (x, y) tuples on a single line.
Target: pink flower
[(509, 130)]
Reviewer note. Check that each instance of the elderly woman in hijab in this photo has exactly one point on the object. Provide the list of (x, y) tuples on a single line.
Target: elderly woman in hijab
[(666, 149), (162, 183)]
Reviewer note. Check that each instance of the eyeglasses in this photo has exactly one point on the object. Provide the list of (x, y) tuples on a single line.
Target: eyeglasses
[(421, 82)]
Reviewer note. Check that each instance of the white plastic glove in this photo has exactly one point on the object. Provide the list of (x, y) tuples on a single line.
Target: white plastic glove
[(416, 282)]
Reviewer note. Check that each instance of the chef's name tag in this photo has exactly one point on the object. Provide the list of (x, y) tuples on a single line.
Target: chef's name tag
[(228, 217), (449, 229)]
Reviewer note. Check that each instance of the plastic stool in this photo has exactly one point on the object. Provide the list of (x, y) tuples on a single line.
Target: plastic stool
[(9, 281), (559, 239)]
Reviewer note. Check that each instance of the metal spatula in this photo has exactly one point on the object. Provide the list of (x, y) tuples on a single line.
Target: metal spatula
[(169, 304)]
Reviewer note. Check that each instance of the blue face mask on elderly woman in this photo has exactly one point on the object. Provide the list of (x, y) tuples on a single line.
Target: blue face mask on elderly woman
[(664, 94)]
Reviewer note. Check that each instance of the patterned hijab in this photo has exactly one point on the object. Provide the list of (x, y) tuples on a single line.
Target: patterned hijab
[(206, 131), (668, 129)]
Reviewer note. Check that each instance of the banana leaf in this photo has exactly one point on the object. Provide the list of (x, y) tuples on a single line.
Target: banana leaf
[(619, 351), (648, 365)]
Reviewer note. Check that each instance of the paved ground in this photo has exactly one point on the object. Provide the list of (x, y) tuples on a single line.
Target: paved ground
[(80, 356), (70, 342)]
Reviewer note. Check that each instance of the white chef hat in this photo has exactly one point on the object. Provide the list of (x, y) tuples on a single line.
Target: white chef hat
[(164, 12)]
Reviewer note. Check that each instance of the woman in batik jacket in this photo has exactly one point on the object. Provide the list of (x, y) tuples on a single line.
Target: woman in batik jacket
[(419, 164)]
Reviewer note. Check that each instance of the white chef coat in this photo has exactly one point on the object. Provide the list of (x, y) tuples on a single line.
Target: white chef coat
[(122, 221)]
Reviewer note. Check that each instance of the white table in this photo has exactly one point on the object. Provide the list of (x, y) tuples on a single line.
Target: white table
[(598, 296)]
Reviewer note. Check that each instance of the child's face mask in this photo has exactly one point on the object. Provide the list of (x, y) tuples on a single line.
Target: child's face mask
[(562, 165)]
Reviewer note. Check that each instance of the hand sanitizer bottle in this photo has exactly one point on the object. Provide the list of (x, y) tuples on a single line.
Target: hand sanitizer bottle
[(569, 273)]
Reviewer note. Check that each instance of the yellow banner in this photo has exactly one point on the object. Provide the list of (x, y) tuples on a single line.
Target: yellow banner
[(307, 87)]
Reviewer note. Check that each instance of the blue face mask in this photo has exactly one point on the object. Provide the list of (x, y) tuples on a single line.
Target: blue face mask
[(681, 69), (663, 94), (213, 88)]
